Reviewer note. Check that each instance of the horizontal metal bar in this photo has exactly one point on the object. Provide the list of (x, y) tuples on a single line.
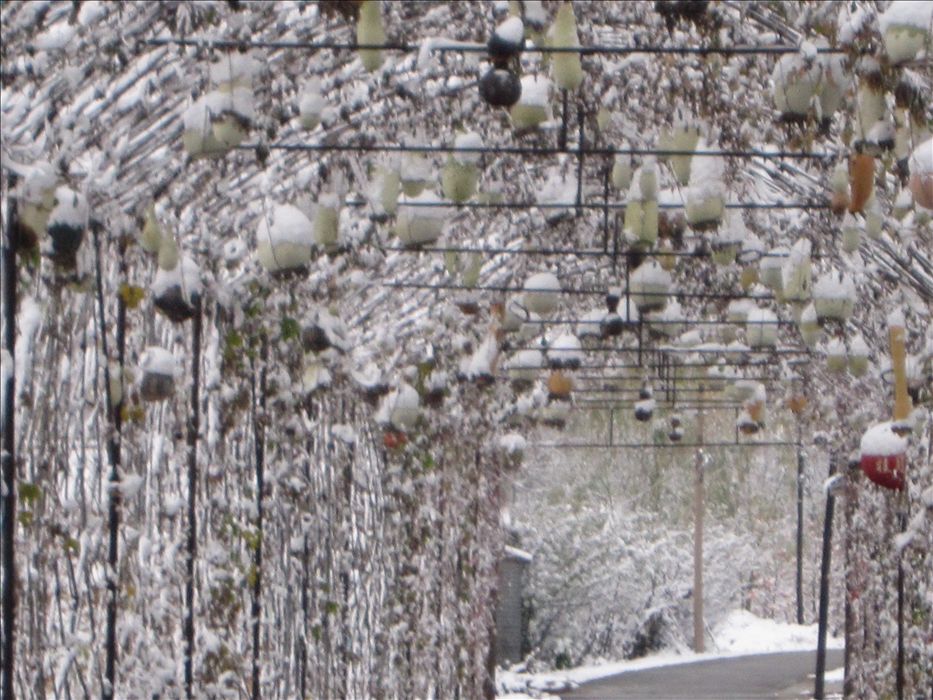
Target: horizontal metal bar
[(643, 445)]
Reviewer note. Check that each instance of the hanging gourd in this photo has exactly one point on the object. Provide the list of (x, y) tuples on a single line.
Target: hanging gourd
[(311, 105), (796, 80), (809, 326), (36, 201), (231, 109), (559, 386), (420, 219), (541, 293), (649, 287), (565, 352), (871, 109), (415, 174), (622, 170), (566, 66), (795, 272), (905, 28), (727, 243), (327, 221), (532, 108), (921, 174), (836, 359), (861, 181), (284, 244), (369, 31), (833, 84), (644, 407), (706, 194), (461, 173), (387, 186), (523, 368), (771, 270), (858, 356), (500, 87), (834, 297), (669, 321), (676, 433), (736, 315), (851, 233), (874, 219), (176, 289), (65, 227), (150, 235), (198, 135), (506, 42), (761, 327), (682, 136), (839, 183), (159, 370)]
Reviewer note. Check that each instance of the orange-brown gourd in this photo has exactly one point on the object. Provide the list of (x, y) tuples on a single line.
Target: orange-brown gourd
[(559, 385), (861, 181)]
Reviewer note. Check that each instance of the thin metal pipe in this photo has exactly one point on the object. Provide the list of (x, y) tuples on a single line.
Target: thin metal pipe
[(642, 445), (469, 47), (589, 205)]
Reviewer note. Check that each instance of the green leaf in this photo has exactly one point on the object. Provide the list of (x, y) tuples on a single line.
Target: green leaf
[(290, 329), (29, 493)]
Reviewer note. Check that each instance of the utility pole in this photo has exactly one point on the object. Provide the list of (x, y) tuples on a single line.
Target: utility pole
[(799, 579), (698, 508), (824, 582)]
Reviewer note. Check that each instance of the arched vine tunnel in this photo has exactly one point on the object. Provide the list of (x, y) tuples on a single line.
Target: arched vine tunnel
[(289, 291)]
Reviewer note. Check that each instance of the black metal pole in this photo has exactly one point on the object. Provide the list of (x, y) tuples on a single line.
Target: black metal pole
[(115, 419), (799, 579), (9, 453), (824, 586), (193, 427), (899, 681), (259, 438)]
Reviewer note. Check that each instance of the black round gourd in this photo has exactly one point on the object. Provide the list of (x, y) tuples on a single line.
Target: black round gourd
[(500, 87)]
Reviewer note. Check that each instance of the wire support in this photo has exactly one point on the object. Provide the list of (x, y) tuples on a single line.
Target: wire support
[(643, 445), (470, 47), (498, 150), (591, 205), (579, 291)]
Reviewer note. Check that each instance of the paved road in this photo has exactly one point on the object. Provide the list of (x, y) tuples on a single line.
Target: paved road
[(772, 676)]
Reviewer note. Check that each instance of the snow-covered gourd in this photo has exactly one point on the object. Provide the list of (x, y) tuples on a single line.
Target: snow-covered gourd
[(622, 171), (796, 78), (532, 108), (327, 222), (644, 407), (311, 105), (839, 187), (542, 293), (388, 186), (649, 286), (565, 352), (883, 456), (559, 386), (177, 290), (198, 135), (401, 408), (512, 448), (851, 233), (858, 356), (506, 41), (523, 368), (752, 249), (736, 315), (65, 226), (682, 136), (36, 200), (150, 235), (420, 219), (771, 269), (461, 174), (641, 217), (728, 242), (871, 108), (286, 243), (159, 370), (415, 174), (905, 27), (809, 326), (921, 174), (706, 193), (500, 87), (648, 179), (369, 32), (836, 356), (230, 107), (834, 297), (671, 321), (874, 219), (795, 272), (565, 65), (761, 328), (833, 83)]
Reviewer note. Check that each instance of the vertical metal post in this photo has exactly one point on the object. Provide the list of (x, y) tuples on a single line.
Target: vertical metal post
[(194, 424), (799, 578), (9, 452), (824, 585), (698, 507), (899, 680)]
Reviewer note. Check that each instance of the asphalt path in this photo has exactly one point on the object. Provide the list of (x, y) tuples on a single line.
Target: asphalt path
[(784, 676)]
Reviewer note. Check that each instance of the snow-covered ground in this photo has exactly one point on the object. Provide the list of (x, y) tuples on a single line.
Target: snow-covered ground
[(739, 633)]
